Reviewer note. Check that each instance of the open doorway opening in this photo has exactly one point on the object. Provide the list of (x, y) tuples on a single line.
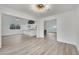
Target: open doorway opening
[(50, 29)]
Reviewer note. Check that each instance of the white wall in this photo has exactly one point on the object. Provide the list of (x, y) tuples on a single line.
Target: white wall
[(77, 26), (40, 28), (68, 27), (0, 29), (6, 22)]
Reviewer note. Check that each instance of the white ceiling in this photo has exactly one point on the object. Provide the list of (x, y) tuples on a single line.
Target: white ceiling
[(55, 9)]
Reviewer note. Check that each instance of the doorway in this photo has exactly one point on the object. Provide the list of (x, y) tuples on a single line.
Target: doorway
[(50, 29)]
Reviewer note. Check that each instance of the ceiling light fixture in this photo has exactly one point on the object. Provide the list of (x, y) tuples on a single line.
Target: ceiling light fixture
[(40, 7)]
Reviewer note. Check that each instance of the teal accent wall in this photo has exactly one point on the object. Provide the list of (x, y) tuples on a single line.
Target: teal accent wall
[(50, 25)]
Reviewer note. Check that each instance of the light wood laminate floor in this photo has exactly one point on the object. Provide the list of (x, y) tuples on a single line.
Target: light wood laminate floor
[(25, 45)]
